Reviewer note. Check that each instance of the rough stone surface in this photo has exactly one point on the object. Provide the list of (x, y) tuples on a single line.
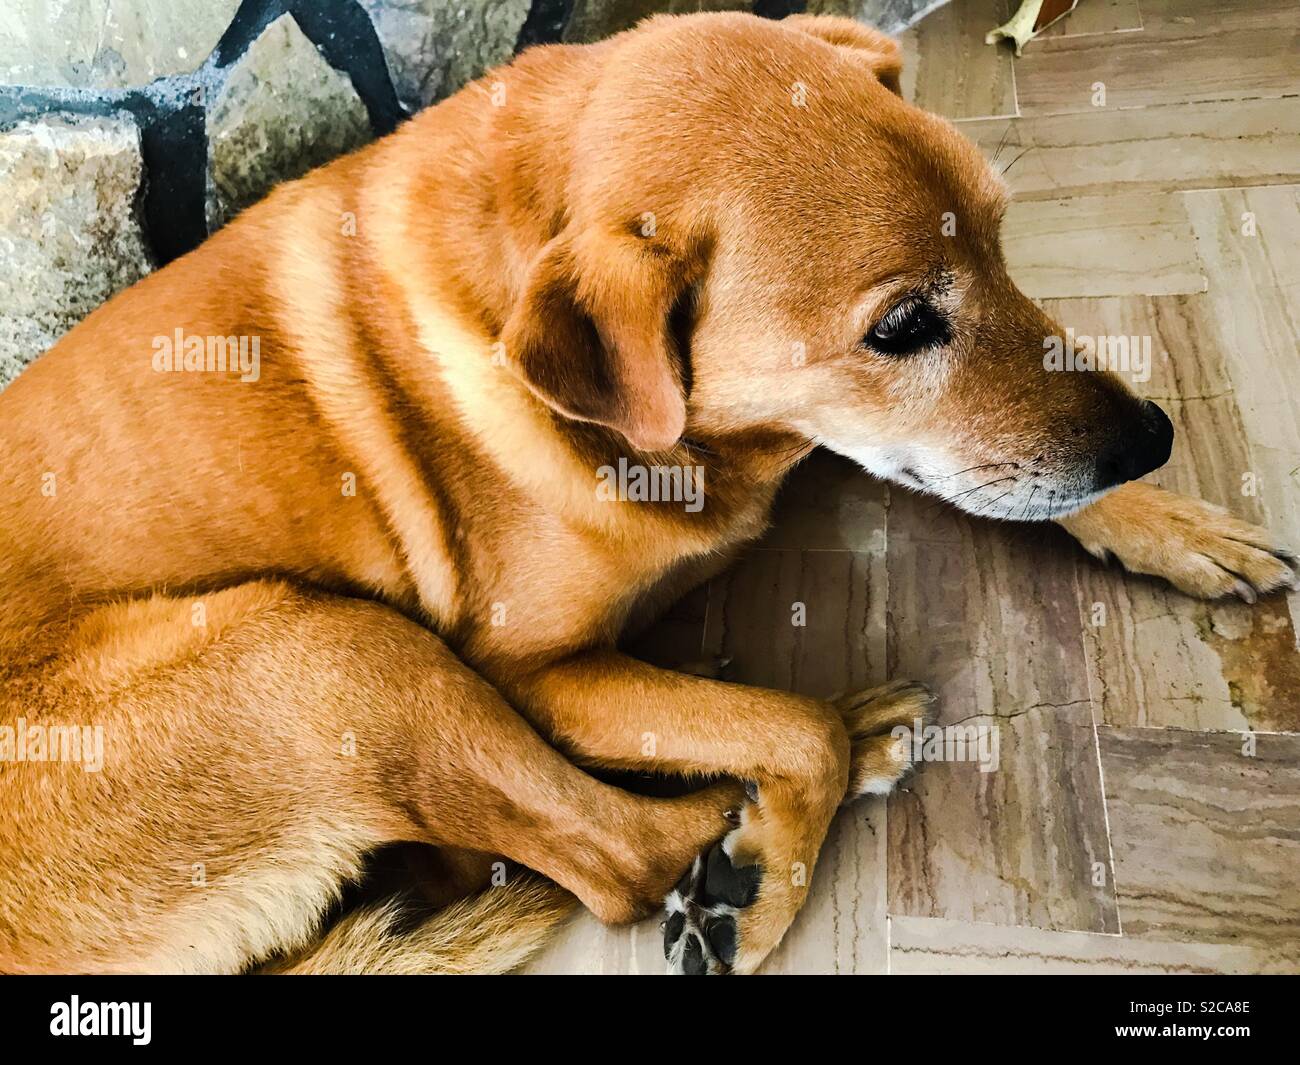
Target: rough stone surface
[(69, 236), (436, 46), (106, 44), (282, 111)]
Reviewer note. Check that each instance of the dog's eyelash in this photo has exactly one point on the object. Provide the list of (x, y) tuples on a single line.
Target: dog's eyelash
[(908, 327)]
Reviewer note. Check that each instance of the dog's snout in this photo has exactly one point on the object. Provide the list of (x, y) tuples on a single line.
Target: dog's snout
[(1144, 447)]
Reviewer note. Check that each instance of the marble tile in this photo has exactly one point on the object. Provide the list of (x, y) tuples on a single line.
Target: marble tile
[(1095, 16), (907, 41), (1206, 836), (1218, 51), (829, 504), (1183, 19), (841, 929), (926, 946), (1156, 657), (1246, 241), (1128, 244), (1159, 658), (838, 598), (585, 947), (1185, 361), (957, 74), (1025, 845), (805, 621), (985, 613), (1198, 145), (677, 638)]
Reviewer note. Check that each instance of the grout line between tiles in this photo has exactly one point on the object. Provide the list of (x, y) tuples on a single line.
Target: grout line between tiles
[(1201, 731), (1011, 927), (987, 118), (1105, 807), (1293, 182), (883, 848), (1088, 33), (1015, 92), (1142, 107), (1095, 708), (1155, 105)]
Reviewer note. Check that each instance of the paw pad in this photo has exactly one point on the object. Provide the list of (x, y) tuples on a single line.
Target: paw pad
[(700, 933)]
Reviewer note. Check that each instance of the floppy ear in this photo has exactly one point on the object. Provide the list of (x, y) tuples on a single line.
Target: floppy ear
[(881, 54), (596, 345)]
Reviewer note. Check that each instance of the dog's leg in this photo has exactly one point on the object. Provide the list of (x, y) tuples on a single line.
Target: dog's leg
[(1198, 547), (800, 757), (256, 742)]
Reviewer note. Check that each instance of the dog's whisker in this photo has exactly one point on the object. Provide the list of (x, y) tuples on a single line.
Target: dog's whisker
[(1007, 169), (997, 154), (986, 484), (971, 469), (954, 498), (988, 507), (1025, 512)]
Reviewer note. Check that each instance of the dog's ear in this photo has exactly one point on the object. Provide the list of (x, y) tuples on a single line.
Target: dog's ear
[(881, 54), (595, 344)]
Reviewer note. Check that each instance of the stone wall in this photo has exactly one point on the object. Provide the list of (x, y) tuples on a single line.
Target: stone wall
[(131, 129)]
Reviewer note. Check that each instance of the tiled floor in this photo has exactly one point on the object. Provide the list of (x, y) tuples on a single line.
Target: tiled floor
[(1145, 813)]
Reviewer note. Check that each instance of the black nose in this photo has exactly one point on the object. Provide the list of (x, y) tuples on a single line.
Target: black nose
[(1139, 449)]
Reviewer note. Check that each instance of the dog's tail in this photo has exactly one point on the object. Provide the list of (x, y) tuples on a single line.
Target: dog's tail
[(495, 931)]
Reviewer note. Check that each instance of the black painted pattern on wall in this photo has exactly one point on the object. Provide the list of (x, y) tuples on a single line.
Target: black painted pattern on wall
[(171, 112)]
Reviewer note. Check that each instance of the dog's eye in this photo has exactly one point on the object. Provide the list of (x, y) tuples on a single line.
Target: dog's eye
[(909, 327)]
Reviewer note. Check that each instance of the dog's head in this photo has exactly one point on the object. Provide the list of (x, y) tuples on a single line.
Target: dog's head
[(756, 232)]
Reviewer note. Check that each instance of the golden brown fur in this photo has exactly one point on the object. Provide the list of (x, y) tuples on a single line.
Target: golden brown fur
[(595, 252)]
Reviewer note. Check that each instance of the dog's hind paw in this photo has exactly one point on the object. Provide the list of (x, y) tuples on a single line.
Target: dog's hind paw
[(701, 932)]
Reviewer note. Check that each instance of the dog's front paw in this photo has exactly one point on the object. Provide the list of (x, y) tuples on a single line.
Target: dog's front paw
[(1200, 548), (879, 758)]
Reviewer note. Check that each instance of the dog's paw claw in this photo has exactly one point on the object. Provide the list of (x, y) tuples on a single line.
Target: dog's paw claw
[(700, 933)]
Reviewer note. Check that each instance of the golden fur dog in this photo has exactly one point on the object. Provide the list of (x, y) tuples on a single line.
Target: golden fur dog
[(367, 590)]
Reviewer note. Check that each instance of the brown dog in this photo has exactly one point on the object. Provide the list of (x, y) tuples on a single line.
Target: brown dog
[(328, 599)]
